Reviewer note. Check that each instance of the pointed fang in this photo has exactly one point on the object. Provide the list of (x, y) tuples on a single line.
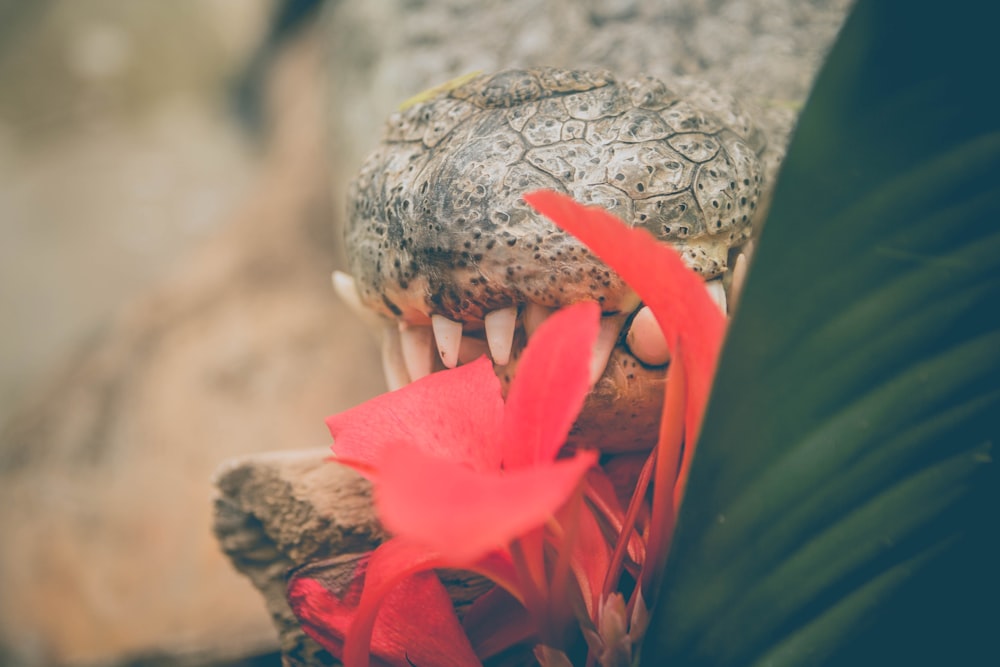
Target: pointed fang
[(393, 364), (346, 289), (448, 334), (534, 315), (344, 286), (418, 349), (500, 333), (607, 336), (739, 277), (718, 293)]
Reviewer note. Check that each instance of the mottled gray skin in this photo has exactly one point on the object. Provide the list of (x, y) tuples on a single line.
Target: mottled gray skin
[(436, 220)]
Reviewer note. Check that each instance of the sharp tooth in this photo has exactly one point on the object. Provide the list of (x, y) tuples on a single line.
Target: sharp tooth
[(418, 349), (718, 293), (344, 286), (393, 363), (471, 349), (449, 336), (347, 290), (645, 339), (607, 336), (534, 315), (739, 276), (500, 333)]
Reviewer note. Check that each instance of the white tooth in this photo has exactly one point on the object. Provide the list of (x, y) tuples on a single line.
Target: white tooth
[(393, 363), (418, 349), (645, 339), (347, 290), (500, 333), (718, 293), (534, 315), (739, 277), (471, 349), (343, 285), (607, 336), (449, 336)]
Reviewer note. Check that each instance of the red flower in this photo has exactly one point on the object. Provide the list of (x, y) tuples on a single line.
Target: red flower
[(459, 475), (693, 325), (694, 328), (464, 480), (459, 471), (327, 608)]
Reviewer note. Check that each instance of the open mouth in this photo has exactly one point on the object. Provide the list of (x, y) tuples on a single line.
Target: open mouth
[(627, 366), (452, 263)]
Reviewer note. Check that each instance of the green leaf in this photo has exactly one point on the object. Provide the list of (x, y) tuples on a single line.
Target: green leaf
[(842, 506)]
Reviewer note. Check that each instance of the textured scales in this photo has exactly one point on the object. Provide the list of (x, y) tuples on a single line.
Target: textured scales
[(437, 223)]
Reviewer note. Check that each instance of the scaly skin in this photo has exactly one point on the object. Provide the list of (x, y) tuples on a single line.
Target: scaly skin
[(437, 225)]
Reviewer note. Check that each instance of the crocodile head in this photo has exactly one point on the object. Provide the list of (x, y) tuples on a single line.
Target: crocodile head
[(445, 251)]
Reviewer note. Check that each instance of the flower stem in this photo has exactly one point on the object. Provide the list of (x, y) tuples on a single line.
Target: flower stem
[(668, 459), (628, 526)]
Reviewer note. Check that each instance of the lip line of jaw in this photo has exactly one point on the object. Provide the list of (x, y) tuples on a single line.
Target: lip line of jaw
[(405, 342), (414, 331), (420, 355)]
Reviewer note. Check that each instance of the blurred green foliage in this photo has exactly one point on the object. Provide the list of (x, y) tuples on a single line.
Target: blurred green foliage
[(842, 504)]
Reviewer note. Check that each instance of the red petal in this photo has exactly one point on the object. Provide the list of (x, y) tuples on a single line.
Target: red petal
[(692, 323), (455, 415), (552, 381), (496, 621), (324, 616), (453, 510), (499, 568), (405, 616), (416, 622)]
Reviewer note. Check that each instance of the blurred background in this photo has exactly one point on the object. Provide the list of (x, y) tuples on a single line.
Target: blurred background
[(166, 241), (117, 152)]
